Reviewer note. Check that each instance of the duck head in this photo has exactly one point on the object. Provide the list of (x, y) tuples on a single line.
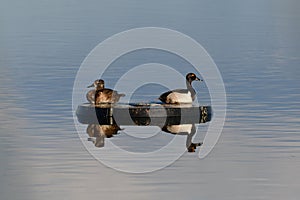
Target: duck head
[(99, 83), (192, 77)]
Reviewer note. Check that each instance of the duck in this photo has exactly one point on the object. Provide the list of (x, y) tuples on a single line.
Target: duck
[(181, 96), (184, 129), (98, 85), (97, 133), (106, 95)]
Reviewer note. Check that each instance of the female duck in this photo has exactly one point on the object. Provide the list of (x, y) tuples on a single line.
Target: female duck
[(180, 96), (105, 95), (98, 85)]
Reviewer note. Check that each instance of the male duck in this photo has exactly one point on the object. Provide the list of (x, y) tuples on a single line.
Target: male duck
[(184, 129), (180, 96)]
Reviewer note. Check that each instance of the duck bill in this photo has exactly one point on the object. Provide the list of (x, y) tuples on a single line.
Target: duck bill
[(198, 79), (90, 86)]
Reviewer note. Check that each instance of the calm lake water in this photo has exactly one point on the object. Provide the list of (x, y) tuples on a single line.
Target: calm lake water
[(256, 46)]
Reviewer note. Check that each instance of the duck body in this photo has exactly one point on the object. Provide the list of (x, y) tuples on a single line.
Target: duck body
[(181, 129), (107, 96), (181, 96), (177, 96), (90, 95), (101, 94)]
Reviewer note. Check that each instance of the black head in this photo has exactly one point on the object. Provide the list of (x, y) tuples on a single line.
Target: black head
[(192, 77)]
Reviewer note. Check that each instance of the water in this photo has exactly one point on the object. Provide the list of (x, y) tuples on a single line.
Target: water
[(256, 47)]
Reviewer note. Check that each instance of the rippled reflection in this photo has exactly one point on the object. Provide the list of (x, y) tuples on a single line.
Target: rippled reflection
[(104, 121), (184, 129), (97, 133)]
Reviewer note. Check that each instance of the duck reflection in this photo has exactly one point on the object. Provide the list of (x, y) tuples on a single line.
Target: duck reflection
[(105, 120), (97, 133), (184, 129)]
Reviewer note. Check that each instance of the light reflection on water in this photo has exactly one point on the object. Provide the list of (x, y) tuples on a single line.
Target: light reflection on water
[(256, 47)]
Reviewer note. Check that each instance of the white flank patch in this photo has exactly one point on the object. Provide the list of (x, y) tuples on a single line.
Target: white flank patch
[(177, 97), (183, 128)]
